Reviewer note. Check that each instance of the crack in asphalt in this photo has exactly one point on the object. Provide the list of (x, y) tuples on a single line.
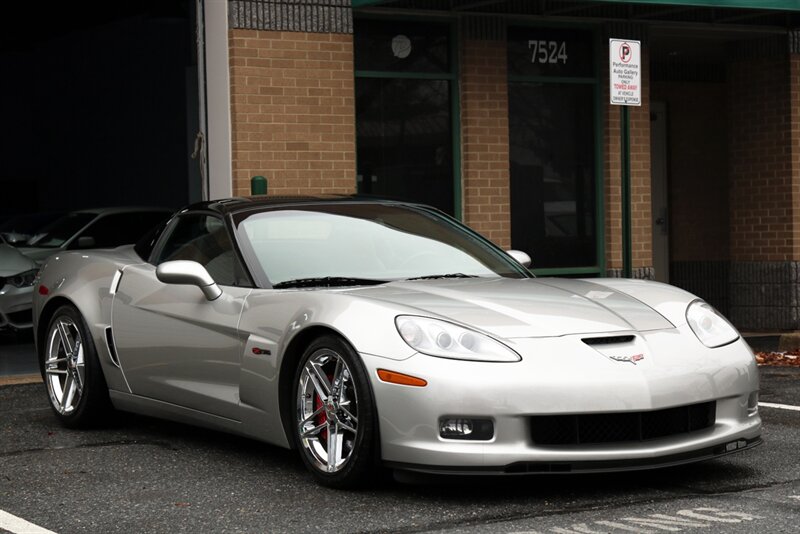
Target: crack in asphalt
[(124, 442)]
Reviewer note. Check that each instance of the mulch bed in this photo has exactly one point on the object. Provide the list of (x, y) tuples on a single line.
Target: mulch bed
[(790, 358)]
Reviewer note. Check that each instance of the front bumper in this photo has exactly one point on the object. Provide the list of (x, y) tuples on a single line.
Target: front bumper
[(16, 307), (566, 376)]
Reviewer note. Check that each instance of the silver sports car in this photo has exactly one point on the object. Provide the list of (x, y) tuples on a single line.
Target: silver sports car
[(375, 333)]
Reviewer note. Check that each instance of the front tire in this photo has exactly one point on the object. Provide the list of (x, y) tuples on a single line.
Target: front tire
[(334, 416), (71, 371)]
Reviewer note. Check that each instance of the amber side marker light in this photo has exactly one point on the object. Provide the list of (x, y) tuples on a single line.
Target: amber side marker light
[(400, 378)]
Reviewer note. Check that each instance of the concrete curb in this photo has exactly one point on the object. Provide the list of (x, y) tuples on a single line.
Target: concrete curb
[(773, 342), (14, 380)]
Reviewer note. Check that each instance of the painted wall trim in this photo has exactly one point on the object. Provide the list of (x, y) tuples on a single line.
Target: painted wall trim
[(218, 100), (787, 5)]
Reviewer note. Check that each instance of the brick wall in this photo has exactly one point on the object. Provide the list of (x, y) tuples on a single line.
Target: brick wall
[(641, 219), (698, 170), (763, 136), (484, 137), (292, 111)]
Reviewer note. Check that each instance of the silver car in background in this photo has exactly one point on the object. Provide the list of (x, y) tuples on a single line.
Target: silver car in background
[(79, 230), (17, 274), (376, 333), (93, 228)]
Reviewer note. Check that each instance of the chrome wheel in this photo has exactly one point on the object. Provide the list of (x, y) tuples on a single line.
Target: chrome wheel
[(64, 365), (327, 411)]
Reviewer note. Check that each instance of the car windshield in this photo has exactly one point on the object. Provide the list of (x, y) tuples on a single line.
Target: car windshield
[(59, 231), (22, 227), (359, 243)]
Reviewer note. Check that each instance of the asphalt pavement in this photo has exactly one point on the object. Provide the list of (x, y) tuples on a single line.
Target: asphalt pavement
[(17, 356), (144, 474)]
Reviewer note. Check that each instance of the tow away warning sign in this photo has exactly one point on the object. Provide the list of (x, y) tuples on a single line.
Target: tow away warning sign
[(625, 72)]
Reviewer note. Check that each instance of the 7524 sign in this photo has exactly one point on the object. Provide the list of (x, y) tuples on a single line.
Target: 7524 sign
[(551, 52)]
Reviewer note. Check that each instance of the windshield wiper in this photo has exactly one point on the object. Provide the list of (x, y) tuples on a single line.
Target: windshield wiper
[(438, 276), (327, 281)]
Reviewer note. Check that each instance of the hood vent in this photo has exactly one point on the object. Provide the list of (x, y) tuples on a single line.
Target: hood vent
[(610, 340)]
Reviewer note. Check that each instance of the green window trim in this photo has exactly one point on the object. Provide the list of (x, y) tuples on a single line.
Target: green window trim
[(407, 75), (781, 5), (560, 271)]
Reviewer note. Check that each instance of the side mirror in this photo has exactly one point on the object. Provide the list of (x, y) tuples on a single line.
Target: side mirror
[(86, 242), (520, 257), (188, 273)]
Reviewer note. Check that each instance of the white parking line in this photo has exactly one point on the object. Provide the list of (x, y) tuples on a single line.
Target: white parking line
[(16, 525), (779, 406), (680, 521)]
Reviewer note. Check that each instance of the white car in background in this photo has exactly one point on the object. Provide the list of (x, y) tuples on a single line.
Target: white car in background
[(17, 273), (85, 229), (20, 228), (93, 228)]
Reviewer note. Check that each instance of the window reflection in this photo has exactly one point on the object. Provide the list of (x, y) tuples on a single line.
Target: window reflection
[(405, 140), (551, 130)]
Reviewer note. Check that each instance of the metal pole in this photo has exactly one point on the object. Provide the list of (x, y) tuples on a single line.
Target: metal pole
[(625, 142)]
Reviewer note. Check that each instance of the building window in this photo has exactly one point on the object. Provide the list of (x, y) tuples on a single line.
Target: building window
[(404, 111), (552, 133)]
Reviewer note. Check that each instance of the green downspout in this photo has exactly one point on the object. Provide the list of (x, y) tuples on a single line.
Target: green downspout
[(625, 135)]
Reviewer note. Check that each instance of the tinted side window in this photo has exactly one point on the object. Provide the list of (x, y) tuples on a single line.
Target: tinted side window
[(203, 238)]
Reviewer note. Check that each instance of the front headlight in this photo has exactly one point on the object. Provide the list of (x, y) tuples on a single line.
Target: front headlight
[(711, 328), (447, 340), (25, 279)]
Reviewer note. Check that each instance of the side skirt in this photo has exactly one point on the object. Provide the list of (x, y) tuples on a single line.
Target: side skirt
[(128, 402)]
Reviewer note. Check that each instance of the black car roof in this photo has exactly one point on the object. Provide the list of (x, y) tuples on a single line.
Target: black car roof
[(241, 204)]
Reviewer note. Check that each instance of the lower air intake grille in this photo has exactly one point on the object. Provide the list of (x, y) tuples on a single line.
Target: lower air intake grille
[(621, 427)]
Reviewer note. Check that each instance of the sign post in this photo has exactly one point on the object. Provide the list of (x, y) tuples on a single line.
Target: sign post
[(625, 79)]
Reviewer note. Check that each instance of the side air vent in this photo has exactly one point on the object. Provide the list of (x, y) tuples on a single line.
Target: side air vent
[(112, 350), (611, 340)]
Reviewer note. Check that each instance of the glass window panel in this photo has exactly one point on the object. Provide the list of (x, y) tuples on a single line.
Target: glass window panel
[(550, 52), (401, 46), (553, 214), (204, 239), (405, 140)]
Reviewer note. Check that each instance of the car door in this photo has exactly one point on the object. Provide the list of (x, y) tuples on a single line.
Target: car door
[(173, 344)]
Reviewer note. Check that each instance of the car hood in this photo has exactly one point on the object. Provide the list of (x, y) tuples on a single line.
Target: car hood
[(13, 262), (39, 254), (519, 308)]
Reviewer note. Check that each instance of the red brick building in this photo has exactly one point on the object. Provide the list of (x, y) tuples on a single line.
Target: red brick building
[(498, 112)]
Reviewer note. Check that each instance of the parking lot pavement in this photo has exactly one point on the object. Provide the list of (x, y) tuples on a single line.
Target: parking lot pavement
[(17, 354), (148, 475)]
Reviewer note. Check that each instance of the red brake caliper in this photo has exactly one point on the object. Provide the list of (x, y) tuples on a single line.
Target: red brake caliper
[(321, 418)]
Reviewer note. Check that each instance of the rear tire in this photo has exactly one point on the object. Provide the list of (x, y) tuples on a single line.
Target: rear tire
[(71, 371), (333, 416)]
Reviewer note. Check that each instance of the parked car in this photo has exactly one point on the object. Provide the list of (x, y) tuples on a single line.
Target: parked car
[(371, 332), (105, 228), (93, 228), (17, 273), (19, 229)]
